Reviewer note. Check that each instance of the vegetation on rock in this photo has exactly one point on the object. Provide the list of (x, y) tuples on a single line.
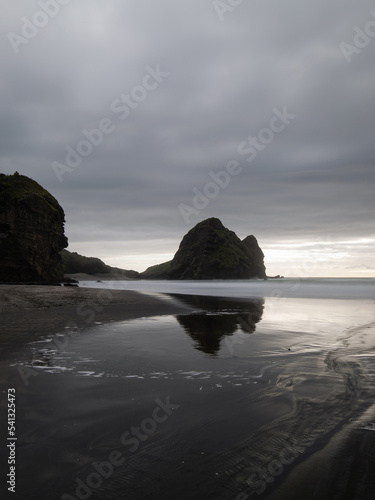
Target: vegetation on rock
[(74, 263), (158, 272), (31, 231), (211, 251)]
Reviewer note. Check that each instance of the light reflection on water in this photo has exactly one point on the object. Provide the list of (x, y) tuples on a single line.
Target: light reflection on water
[(250, 375)]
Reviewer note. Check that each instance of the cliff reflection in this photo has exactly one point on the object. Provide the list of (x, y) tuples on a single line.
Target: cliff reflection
[(217, 318)]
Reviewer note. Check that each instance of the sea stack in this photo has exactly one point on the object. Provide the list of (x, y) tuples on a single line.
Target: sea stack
[(31, 231), (211, 251)]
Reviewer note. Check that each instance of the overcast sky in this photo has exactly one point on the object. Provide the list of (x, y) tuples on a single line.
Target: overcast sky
[(179, 89)]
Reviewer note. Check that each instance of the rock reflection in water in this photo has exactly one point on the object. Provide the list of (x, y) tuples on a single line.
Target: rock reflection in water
[(219, 317)]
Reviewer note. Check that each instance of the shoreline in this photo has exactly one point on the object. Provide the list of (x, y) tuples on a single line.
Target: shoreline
[(23, 297), (30, 311)]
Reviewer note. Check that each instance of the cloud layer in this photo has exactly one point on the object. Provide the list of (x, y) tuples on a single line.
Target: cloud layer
[(226, 70)]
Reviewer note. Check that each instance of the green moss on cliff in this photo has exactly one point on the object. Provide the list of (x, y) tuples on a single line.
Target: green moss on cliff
[(31, 231), (211, 251), (73, 263), (16, 186), (160, 271)]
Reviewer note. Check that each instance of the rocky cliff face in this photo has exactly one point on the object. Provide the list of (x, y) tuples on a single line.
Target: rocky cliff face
[(31, 231), (256, 256), (211, 251)]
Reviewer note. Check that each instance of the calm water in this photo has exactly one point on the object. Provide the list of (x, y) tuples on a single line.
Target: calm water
[(334, 288), (222, 403)]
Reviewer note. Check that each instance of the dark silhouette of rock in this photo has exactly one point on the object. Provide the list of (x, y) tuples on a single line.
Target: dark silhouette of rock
[(211, 251), (158, 272), (256, 256), (31, 231), (74, 263)]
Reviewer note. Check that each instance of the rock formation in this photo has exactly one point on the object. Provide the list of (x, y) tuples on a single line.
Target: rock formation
[(211, 251), (256, 256), (74, 263), (31, 231)]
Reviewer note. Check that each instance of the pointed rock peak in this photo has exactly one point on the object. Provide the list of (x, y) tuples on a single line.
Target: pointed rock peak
[(213, 222), (250, 240)]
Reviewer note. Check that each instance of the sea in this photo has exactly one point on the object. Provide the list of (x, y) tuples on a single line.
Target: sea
[(335, 288), (262, 389)]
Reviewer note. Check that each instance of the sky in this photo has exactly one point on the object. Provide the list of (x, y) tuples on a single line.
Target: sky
[(144, 118)]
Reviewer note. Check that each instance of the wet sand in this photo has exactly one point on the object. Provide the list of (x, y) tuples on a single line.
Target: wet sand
[(341, 468), (34, 297), (28, 311), (272, 399)]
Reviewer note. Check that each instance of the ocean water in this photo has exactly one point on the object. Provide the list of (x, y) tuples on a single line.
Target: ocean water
[(232, 400), (335, 288)]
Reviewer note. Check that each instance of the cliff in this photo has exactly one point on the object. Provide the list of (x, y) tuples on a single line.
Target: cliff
[(31, 231), (256, 256), (211, 251)]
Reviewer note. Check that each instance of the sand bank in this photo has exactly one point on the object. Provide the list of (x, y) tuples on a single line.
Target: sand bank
[(30, 310)]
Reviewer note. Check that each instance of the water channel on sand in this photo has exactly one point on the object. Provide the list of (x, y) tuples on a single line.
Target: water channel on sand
[(239, 399)]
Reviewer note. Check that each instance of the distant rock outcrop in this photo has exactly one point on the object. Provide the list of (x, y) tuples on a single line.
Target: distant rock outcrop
[(211, 251), (31, 231), (74, 263)]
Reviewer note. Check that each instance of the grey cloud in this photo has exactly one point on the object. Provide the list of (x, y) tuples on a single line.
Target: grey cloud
[(316, 177)]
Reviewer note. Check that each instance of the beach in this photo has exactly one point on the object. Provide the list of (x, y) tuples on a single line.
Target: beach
[(28, 311), (125, 394), (32, 297)]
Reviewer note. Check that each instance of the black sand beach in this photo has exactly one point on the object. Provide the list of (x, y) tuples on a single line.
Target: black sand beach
[(180, 397), (28, 311)]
